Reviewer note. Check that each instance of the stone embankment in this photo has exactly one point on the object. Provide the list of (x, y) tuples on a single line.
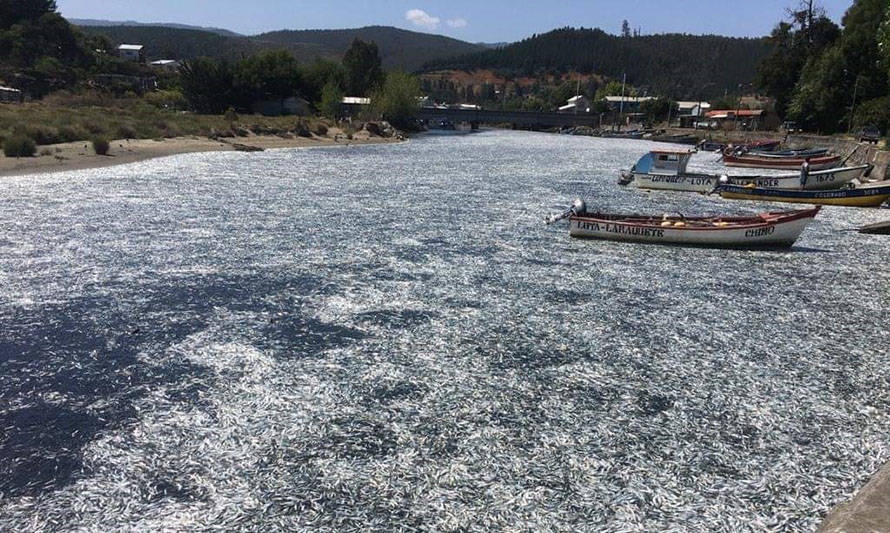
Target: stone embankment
[(863, 153)]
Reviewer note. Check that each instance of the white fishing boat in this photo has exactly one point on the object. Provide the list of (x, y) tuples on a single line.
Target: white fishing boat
[(666, 170), (766, 230)]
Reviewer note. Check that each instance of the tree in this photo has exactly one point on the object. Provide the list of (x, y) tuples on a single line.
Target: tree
[(397, 101), (659, 109), (794, 42), (363, 68), (331, 100), (269, 75), (16, 11), (823, 98), (625, 28), (208, 85), (319, 74)]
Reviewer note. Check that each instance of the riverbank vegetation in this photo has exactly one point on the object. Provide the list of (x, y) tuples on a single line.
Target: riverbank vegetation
[(827, 78), (82, 116), (81, 91)]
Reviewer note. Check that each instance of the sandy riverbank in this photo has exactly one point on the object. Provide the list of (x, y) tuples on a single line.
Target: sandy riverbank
[(80, 155)]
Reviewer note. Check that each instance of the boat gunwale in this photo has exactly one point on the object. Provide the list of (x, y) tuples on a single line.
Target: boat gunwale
[(817, 194), (733, 223)]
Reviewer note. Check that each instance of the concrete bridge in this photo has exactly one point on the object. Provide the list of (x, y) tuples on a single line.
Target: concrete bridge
[(522, 119)]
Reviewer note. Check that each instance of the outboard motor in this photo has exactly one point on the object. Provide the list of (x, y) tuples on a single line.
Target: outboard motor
[(578, 208), (627, 176)]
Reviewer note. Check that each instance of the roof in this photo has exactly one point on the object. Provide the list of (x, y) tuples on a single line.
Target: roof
[(577, 98), (356, 100), (726, 113), (2, 88), (632, 99), (691, 104), (162, 62), (134, 47), (671, 152)]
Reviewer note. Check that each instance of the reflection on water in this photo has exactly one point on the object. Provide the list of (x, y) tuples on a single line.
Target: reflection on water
[(388, 337)]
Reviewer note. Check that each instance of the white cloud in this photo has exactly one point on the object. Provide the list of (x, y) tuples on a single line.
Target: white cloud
[(422, 19), (457, 23)]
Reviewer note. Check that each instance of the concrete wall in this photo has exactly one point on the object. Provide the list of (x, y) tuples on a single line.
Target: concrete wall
[(863, 153)]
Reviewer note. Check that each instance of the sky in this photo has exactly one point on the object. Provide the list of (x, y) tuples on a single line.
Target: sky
[(469, 20)]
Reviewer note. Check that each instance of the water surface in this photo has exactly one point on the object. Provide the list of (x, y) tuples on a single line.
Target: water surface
[(388, 337)]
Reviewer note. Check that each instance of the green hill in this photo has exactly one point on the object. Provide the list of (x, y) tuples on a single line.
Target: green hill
[(106, 23), (678, 65), (403, 49), (164, 42)]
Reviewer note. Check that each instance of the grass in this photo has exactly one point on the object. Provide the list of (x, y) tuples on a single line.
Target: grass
[(65, 117)]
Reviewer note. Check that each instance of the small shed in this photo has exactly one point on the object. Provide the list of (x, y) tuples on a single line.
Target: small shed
[(353, 105), (131, 52), (576, 104)]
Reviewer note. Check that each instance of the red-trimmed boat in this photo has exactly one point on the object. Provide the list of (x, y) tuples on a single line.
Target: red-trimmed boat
[(778, 229), (783, 163)]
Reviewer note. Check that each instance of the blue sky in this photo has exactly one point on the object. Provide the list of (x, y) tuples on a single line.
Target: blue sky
[(476, 20)]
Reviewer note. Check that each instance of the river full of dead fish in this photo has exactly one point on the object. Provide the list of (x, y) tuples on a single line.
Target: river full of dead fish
[(388, 338)]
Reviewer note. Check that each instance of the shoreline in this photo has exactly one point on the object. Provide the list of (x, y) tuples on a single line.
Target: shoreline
[(79, 155)]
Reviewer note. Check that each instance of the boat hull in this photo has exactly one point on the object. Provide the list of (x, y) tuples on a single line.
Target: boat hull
[(773, 230), (855, 197), (816, 163), (705, 183)]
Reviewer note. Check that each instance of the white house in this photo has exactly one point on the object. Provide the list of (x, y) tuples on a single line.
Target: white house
[(576, 104), (131, 52), (693, 108), (629, 104)]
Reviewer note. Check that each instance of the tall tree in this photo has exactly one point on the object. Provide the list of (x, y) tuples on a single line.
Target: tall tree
[(16, 11), (625, 28), (269, 75), (794, 42), (208, 85), (363, 68), (824, 97), (397, 101)]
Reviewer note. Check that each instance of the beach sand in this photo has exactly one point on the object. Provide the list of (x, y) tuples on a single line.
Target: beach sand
[(79, 155)]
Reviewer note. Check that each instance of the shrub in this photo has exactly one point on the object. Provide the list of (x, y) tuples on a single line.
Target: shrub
[(100, 145), (19, 146), (166, 99), (231, 115), (126, 132), (94, 128), (321, 130), (69, 134), (302, 129)]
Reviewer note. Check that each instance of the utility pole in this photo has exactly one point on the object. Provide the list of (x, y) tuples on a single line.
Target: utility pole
[(621, 103), (853, 105)]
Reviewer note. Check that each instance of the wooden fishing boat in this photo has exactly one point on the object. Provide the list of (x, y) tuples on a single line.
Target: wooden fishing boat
[(778, 154), (766, 230), (863, 196), (753, 161), (666, 170)]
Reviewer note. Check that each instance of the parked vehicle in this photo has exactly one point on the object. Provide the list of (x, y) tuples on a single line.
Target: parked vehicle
[(869, 134)]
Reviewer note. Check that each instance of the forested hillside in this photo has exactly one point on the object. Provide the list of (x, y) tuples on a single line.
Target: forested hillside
[(163, 42), (406, 50), (679, 66)]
